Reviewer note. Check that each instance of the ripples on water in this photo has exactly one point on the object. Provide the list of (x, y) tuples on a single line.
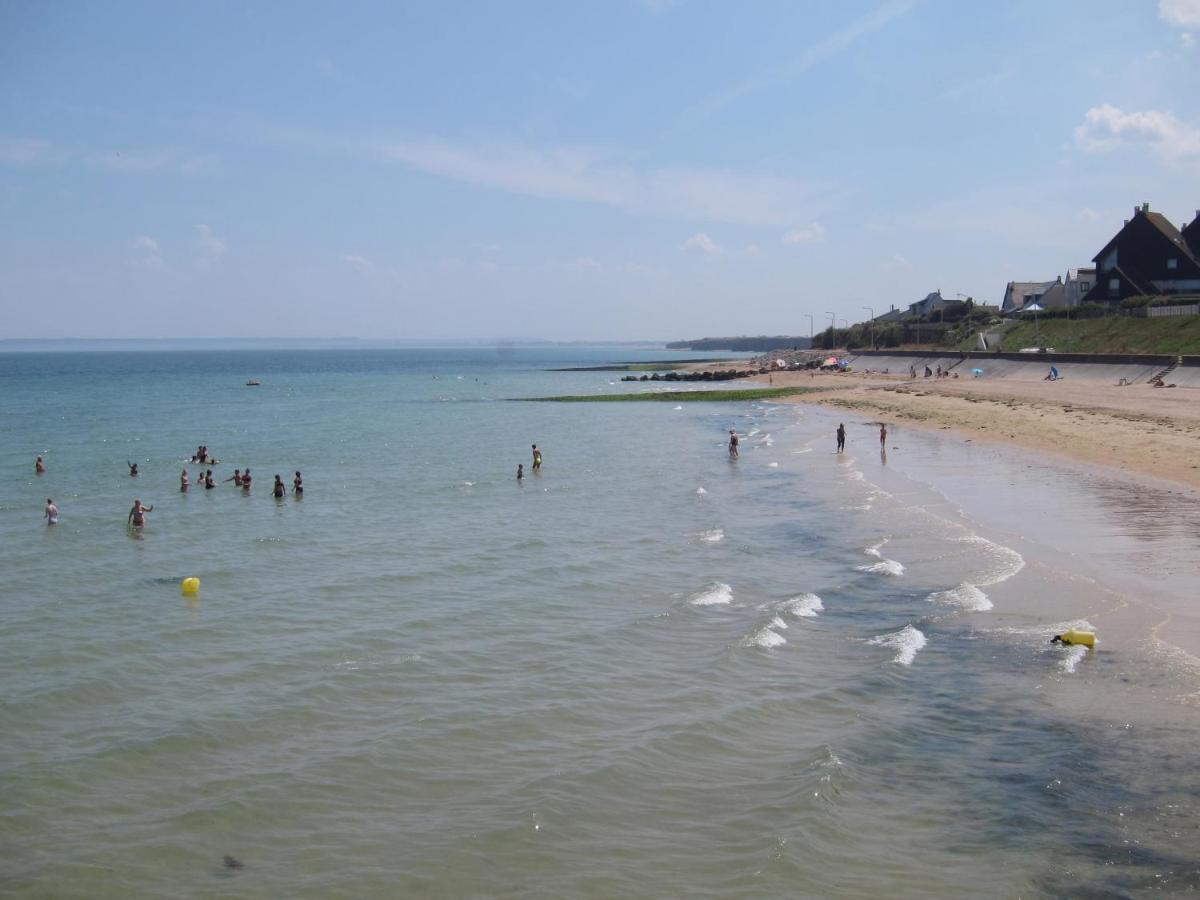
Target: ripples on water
[(424, 678)]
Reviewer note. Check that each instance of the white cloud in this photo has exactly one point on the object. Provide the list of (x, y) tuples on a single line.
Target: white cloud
[(586, 264), (147, 250), (1107, 127), (823, 50), (809, 234), (1184, 13), (896, 261), (358, 262), (1188, 39), (701, 243), (589, 174), (209, 248), (24, 151)]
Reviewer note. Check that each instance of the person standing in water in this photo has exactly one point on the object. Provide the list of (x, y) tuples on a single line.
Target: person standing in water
[(733, 444), (209, 482), (39, 466), (537, 458), (278, 490), (51, 512), (236, 478), (137, 515), (882, 435), (841, 437), (297, 485), (246, 481), (132, 468), (520, 471), (183, 481)]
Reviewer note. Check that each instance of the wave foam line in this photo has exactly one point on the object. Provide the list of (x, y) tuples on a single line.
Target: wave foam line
[(765, 638), (716, 594), (907, 642), (1007, 562), (712, 536), (806, 606), (966, 596), (884, 567)]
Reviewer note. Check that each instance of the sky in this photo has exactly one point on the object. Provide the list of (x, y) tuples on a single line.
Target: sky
[(609, 170)]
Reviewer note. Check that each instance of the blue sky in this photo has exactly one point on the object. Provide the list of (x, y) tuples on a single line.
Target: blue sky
[(603, 170)]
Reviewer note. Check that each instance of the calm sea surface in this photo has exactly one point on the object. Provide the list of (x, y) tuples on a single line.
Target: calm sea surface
[(644, 671)]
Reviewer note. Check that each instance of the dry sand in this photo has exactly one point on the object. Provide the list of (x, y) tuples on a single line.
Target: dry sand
[(1140, 430)]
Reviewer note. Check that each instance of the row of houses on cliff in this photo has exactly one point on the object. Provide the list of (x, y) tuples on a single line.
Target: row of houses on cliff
[(1149, 256)]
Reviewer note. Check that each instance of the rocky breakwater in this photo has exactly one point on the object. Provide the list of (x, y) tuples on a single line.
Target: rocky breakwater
[(719, 375)]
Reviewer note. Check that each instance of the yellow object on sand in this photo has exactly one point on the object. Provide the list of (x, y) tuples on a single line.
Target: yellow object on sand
[(1083, 638), (190, 586)]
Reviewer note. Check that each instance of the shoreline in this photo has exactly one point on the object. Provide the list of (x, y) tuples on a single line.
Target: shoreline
[(1146, 433)]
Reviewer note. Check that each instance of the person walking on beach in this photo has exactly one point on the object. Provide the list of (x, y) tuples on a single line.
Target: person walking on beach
[(733, 444), (183, 481), (537, 458), (841, 437), (882, 435), (51, 512), (297, 485), (278, 490), (137, 515), (39, 466)]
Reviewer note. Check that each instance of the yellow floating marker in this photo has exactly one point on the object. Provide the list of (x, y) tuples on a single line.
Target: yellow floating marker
[(190, 586), (1083, 638)]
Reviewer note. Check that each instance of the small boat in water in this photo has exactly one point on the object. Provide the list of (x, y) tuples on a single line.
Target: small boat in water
[(253, 382)]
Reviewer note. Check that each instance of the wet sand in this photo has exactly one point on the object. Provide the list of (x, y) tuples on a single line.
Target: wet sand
[(1142, 431)]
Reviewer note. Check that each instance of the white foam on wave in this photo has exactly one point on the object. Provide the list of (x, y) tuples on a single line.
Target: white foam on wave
[(779, 623), (715, 594), (772, 465), (804, 450), (1006, 562), (469, 484), (966, 596), (806, 606), (1072, 658), (874, 549), (907, 642), (700, 492), (855, 475), (884, 567), (677, 407), (712, 536), (752, 432), (765, 638)]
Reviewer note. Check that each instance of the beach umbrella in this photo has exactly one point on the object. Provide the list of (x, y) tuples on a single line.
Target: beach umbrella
[(977, 371), (1033, 308), (832, 361)]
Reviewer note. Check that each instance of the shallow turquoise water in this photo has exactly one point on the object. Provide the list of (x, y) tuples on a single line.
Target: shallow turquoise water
[(645, 671)]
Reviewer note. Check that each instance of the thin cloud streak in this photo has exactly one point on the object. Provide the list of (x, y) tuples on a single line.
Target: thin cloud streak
[(824, 50)]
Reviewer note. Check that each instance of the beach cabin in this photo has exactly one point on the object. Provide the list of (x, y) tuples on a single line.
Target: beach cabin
[(1148, 256)]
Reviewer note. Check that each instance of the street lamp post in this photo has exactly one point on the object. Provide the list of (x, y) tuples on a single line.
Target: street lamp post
[(832, 325), (810, 329), (872, 312)]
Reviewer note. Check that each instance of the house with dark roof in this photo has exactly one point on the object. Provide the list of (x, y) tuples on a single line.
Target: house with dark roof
[(929, 304), (1019, 294), (1148, 256)]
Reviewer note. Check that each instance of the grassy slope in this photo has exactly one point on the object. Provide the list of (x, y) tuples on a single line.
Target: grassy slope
[(1120, 334), (681, 396)]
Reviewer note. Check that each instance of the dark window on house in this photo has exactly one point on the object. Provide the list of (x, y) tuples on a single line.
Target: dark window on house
[(1085, 286), (1172, 264), (1114, 285)]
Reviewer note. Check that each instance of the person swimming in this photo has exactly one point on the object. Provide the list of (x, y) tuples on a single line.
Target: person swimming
[(520, 471), (137, 515), (132, 468), (51, 512), (278, 490), (39, 466), (297, 485)]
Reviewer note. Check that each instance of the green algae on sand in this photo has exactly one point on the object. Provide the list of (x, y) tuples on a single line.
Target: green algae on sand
[(682, 396)]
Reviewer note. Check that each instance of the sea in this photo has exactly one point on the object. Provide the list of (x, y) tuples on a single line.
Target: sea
[(646, 670)]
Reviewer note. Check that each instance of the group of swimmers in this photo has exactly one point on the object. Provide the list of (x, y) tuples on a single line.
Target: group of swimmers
[(137, 515), (537, 463)]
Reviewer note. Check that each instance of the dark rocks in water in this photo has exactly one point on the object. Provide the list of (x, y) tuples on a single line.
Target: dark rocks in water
[(232, 863)]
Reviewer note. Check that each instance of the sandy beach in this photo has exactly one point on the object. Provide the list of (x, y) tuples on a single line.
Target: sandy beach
[(1142, 431)]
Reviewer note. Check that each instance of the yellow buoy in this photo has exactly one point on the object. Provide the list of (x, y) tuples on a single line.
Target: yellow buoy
[(190, 586), (1076, 636)]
